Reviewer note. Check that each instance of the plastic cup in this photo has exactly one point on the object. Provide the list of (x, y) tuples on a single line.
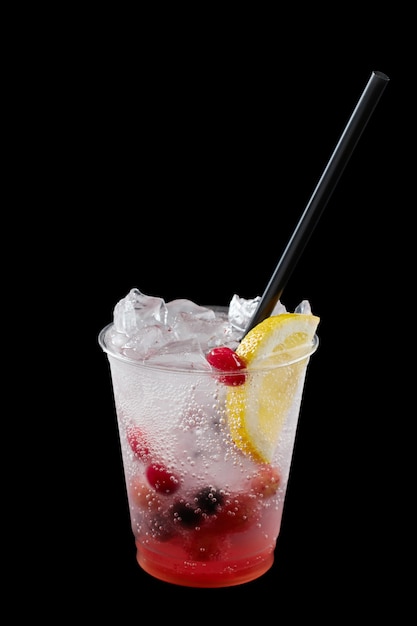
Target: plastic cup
[(204, 511)]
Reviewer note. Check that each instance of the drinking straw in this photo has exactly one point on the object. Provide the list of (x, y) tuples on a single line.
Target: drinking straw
[(320, 196)]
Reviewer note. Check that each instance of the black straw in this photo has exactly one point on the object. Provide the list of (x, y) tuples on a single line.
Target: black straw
[(304, 229)]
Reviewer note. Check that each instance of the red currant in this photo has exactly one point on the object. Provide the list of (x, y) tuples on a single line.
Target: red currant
[(226, 360), (161, 479), (137, 442)]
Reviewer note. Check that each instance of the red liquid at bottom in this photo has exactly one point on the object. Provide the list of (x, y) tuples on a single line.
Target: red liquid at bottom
[(204, 573)]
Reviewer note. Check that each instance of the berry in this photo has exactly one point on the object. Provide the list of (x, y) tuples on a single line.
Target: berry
[(161, 479), (226, 360), (209, 500), (204, 503), (186, 514), (142, 495), (266, 482), (137, 442), (237, 514)]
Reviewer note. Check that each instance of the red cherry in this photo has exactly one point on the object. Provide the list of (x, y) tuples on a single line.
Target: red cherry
[(161, 479), (226, 360), (137, 442)]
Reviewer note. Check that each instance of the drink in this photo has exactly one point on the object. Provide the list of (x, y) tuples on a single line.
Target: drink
[(207, 423)]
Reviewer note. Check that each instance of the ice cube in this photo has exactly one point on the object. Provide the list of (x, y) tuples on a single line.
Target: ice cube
[(278, 308), (180, 355), (148, 341), (197, 325), (180, 332), (241, 311), (304, 307), (181, 308), (138, 310)]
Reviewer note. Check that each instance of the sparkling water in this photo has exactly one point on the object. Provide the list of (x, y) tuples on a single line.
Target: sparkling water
[(203, 513)]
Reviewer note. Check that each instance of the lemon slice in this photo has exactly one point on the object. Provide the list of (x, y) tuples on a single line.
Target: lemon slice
[(258, 408)]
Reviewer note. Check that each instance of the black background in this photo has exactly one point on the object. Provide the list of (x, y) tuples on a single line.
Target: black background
[(183, 173)]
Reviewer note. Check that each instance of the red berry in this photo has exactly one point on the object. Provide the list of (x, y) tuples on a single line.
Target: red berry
[(226, 360), (266, 482), (161, 479), (137, 442), (142, 495), (237, 514)]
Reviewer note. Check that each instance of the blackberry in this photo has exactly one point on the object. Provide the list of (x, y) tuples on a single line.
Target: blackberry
[(209, 500), (186, 514)]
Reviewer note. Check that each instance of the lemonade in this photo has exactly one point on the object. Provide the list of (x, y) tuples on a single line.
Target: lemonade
[(207, 422)]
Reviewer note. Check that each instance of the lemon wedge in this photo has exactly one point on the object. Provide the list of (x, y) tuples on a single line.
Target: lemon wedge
[(258, 408)]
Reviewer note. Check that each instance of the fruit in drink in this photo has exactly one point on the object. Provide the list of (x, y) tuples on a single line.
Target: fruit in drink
[(257, 409)]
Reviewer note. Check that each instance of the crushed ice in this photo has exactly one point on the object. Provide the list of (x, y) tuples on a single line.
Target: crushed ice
[(180, 332)]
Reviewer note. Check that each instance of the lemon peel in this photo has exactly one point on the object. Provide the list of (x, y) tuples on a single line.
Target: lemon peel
[(257, 409)]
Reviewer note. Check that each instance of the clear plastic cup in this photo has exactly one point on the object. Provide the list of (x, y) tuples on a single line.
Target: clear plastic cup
[(205, 511)]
